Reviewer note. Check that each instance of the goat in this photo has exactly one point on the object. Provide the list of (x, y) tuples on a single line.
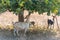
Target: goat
[(21, 26), (50, 22)]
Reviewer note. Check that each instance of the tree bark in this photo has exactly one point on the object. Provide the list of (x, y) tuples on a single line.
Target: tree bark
[(54, 22), (21, 17), (57, 23)]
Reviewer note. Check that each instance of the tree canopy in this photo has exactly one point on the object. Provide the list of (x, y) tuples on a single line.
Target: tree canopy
[(32, 5)]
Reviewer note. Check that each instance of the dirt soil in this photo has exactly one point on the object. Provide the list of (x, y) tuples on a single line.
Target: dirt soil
[(8, 35)]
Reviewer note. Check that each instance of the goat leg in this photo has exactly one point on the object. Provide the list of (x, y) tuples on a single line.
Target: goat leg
[(14, 32)]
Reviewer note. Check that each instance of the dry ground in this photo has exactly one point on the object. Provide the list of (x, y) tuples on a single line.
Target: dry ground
[(40, 35)]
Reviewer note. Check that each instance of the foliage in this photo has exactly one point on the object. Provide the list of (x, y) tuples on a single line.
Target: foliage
[(31, 5)]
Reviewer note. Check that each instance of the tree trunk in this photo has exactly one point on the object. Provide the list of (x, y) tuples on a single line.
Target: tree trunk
[(54, 22), (57, 23), (21, 17)]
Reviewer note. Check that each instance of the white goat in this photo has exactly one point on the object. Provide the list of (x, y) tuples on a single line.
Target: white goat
[(21, 26)]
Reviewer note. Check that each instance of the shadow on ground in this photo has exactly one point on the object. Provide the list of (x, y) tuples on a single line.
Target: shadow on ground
[(47, 35)]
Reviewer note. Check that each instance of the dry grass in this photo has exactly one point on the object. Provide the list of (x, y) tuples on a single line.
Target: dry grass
[(8, 27), (32, 29)]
